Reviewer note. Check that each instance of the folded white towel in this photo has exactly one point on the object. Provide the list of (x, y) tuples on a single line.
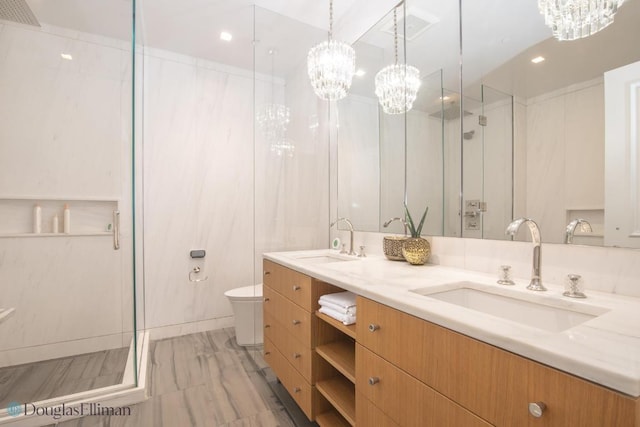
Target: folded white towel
[(343, 299), (344, 318), (340, 309)]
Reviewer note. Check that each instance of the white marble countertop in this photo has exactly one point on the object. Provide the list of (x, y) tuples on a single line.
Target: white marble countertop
[(605, 349)]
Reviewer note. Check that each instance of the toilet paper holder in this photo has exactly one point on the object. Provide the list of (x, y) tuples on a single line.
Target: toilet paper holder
[(193, 273)]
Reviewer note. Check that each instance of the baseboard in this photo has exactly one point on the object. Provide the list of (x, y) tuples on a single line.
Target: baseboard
[(169, 331), (56, 350)]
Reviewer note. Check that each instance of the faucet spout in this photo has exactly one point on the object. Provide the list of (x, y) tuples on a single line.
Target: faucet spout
[(351, 251), (585, 227), (536, 272), (386, 224)]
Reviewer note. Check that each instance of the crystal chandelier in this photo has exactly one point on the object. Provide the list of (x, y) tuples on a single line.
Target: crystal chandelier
[(397, 84), (331, 65), (273, 119), (574, 19)]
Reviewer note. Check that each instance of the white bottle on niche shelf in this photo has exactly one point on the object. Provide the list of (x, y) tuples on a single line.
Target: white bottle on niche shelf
[(37, 219), (66, 220), (55, 228)]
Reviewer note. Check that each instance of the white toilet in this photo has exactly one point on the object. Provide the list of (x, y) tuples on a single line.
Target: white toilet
[(247, 310)]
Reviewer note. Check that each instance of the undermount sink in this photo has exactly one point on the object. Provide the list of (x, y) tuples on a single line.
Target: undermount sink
[(549, 316), (324, 259)]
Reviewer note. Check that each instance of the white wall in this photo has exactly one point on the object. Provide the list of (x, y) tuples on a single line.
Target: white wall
[(208, 186), (65, 138)]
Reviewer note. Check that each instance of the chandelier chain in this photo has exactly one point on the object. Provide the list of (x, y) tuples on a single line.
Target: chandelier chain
[(330, 19), (395, 34)]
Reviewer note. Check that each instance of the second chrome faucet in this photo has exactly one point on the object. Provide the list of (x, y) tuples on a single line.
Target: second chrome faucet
[(536, 273)]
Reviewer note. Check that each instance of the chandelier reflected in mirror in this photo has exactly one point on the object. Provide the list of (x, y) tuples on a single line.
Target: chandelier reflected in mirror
[(575, 19), (331, 65), (397, 85), (273, 119)]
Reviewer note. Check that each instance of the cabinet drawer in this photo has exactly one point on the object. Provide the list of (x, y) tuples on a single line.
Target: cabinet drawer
[(291, 284), (368, 414), (403, 398), (301, 391), (293, 318), (493, 383), (297, 354)]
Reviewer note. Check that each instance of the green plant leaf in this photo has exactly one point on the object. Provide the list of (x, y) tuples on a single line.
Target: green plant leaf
[(415, 232), (409, 221), (424, 216)]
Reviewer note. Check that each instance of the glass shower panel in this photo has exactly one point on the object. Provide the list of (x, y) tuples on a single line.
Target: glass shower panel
[(488, 165), (496, 126), (425, 156), (66, 282)]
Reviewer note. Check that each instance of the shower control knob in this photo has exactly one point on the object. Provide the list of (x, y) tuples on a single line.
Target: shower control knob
[(537, 409)]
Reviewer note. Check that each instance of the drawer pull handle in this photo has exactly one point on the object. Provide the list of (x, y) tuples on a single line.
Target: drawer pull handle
[(373, 327), (297, 389), (537, 409), (266, 273), (267, 326), (266, 353), (296, 355), (266, 299), (296, 322), (374, 380), (296, 287)]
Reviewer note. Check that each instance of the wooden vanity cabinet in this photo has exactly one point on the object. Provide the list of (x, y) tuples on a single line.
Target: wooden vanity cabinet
[(492, 383), (292, 331)]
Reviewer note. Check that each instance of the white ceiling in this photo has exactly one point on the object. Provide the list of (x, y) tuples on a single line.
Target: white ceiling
[(495, 32)]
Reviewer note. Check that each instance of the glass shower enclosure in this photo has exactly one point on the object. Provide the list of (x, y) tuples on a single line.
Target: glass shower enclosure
[(67, 305)]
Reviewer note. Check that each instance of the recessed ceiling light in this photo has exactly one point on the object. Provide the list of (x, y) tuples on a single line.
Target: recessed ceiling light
[(66, 56), (360, 72), (225, 36), (537, 59)]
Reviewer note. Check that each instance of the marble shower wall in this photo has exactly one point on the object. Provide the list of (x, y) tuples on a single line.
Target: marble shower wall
[(65, 129), (209, 185), (565, 159)]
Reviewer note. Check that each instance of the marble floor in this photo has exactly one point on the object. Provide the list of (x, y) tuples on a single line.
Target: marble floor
[(32, 382), (206, 379)]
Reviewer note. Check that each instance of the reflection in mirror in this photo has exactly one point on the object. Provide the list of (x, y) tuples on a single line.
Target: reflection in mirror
[(567, 138), (385, 159)]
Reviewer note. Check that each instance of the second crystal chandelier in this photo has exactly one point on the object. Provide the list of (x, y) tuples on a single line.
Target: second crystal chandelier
[(397, 84)]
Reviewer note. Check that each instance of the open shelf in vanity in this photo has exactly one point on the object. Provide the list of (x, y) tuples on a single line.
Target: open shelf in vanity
[(338, 388)]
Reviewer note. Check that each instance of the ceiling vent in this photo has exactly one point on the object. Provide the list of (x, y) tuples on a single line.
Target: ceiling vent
[(415, 23), (17, 11)]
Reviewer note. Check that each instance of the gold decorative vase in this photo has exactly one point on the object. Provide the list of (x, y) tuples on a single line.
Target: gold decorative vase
[(392, 246), (416, 250)]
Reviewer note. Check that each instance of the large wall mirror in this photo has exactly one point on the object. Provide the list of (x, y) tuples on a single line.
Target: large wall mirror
[(384, 159), (550, 127)]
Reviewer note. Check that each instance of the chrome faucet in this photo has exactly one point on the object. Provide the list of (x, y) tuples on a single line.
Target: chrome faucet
[(386, 224), (536, 275), (585, 227), (351, 252)]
